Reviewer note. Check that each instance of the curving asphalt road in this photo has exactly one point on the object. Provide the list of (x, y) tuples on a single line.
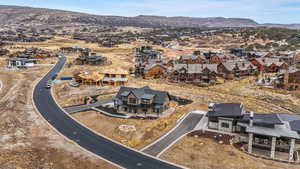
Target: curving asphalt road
[(84, 137)]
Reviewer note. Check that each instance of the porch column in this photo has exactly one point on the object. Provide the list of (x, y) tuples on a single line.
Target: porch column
[(292, 146), (250, 141), (273, 147)]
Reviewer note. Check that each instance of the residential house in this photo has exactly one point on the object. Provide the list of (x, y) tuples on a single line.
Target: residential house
[(20, 62), (224, 116), (146, 54), (289, 79), (236, 68), (193, 59), (199, 74), (273, 131), (90, 58), (269, 65), (142, 102), (112, 77), (154, 70), (74, 49)]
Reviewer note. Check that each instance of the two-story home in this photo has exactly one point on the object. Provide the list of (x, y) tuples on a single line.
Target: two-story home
[(141, 102), (289, 79), (273, 132), (224, 116), (20, 62), (146, 54), (198, 74), (90, 58), (192, 59)]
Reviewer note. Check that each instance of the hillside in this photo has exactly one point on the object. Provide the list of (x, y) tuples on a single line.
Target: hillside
[(28, 15)]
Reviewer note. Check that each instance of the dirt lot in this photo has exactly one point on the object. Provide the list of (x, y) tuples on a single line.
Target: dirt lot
[(206, 153), (26, 141)]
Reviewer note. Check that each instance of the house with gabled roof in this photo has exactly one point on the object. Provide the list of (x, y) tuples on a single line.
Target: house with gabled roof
[(273, 132), (198, 74), (192, 59), (16, 63), (269, 65), (236, 68), (141, 102)]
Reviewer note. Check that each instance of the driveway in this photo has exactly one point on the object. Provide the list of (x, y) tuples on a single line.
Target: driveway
[(85, 107), (187, 125)]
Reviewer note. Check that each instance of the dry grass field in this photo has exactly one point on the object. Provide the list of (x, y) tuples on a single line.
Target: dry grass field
[(206, 153), (212, 155), (26, 141)]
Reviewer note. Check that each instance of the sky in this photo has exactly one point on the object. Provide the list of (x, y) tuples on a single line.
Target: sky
[(262, 11)]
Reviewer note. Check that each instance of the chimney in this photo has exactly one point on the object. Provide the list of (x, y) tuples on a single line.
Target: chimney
[(251, 119), (211, 106)]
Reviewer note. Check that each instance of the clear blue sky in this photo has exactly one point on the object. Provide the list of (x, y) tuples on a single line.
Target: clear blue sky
[(262, 11)]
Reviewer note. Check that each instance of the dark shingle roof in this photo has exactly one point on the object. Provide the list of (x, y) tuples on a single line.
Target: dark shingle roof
[(226, 110), (268, 119), (145, 93), (295, 125), (288, 117)]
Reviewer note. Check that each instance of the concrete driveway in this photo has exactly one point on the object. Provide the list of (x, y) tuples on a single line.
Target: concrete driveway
[(186, 125)]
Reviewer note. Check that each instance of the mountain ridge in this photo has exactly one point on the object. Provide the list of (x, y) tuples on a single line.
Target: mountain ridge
[(21, 14)]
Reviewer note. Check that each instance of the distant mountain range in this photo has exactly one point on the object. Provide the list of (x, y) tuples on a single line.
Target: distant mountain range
[(28, 15)]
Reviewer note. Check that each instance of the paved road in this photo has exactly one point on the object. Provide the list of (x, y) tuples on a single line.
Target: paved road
[(187, 125), (85, 107), (85, 138)]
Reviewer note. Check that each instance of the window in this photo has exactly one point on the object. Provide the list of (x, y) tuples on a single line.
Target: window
[(125, 109), (132, 101), (224, 125), (145, 101)]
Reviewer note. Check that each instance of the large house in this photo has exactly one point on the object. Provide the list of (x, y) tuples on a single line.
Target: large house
[(236, 68), (20, 62), (224, 116), (198, 74), (269, 65), (289, 79), (266, 132), (146, 54), (141, 102), (90, 58), (74, 49), (111, 77), (192, 59)]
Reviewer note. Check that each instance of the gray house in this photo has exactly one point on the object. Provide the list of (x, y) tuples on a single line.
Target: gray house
[(274, 132), (141, 102), (20, 62), (224, 116)]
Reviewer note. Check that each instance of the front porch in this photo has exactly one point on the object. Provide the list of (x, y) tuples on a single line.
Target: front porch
[(271, 147)]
